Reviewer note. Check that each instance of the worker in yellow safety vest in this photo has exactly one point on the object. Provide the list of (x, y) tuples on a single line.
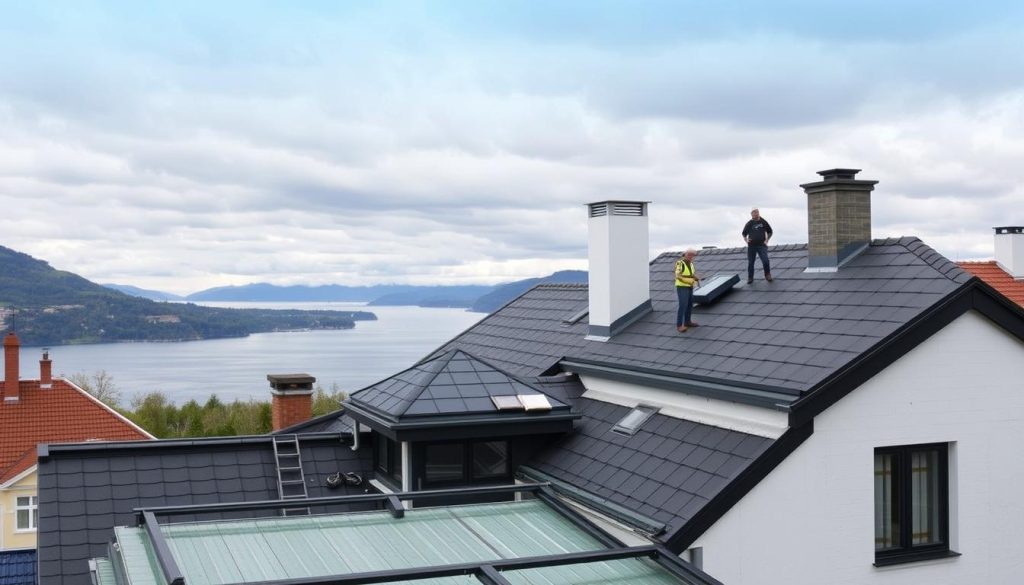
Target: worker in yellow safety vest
[(686, 277)]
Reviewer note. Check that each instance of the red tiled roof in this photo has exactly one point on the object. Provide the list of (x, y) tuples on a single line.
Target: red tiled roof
[(997, 278), (61, 414)]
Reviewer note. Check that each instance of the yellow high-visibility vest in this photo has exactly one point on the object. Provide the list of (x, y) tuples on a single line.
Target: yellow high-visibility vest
[(684, 271)]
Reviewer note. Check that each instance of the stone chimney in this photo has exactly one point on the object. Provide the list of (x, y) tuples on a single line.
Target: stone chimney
[(1010, 250), (838, 218), (45, 371), (292, 400), (11, 371), (619, 276)]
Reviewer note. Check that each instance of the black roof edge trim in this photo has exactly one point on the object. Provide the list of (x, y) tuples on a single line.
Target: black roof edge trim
[(62, 448), (369, 417), (738, 488), (746, 394), (974, 294), (644, 524), (140, 513)]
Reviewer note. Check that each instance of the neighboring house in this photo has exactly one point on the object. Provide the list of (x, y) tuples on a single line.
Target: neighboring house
[(1006, 272), (42, 411), (854, 421)]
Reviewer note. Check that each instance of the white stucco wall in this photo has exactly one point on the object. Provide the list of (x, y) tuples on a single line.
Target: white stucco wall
[(811, 520)]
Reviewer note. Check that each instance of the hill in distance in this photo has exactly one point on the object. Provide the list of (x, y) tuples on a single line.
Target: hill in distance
[(46, 306), (153, 295), (479, 298)]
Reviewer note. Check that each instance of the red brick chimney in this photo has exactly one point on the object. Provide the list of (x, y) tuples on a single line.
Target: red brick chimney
[(11, 375), (292, 400), (45, 371)]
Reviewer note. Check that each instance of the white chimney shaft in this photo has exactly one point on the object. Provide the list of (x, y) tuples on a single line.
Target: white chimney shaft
[(1010, 250), (619, 276)]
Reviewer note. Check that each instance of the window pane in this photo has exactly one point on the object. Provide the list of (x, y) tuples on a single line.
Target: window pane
[(396, 460), (444, 463), (887, 526), (23, 520), (35, 517), (490, 459), (382, 453), (924, 497), (23, 501)]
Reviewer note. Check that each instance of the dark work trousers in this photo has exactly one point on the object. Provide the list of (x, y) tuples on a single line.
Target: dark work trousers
[(757, 250), (685, 294)]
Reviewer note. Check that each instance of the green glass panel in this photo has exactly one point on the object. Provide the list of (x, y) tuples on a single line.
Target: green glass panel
[(267, 549), (632, 571)]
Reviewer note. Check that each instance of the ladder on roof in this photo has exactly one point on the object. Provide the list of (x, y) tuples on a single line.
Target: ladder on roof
[(291, 482)]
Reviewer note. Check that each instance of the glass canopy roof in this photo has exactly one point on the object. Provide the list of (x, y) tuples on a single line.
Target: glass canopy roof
[(309, 547)]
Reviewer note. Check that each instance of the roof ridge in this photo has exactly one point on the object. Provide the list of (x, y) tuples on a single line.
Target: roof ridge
[(733, 250), (944, 266)]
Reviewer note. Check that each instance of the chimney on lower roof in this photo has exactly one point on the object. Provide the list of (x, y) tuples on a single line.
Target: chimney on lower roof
[(1010, 250), (11, 371), (45, 371), (619, 275), (292, 400), (838, 218)]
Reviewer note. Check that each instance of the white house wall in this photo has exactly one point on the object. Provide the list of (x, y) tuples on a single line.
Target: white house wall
[(744, 418), (811, 521)]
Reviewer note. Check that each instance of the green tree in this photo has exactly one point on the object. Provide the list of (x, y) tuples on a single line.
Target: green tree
[(325, 402), (100, 385)]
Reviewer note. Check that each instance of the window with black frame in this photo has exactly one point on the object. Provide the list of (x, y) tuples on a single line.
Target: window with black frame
[(388, 456), (446, 464), (911, 503)]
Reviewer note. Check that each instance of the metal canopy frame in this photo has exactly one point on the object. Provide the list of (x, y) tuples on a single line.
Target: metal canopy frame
[(487, 572)]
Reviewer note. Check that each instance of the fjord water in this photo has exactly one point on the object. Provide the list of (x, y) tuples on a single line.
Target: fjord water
[(238, 367)]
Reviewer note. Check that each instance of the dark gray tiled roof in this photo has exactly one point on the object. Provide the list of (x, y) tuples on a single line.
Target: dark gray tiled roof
[(17, 567), (332, 422), (667, 471), (788, 334), (454, 382), (86, 490)]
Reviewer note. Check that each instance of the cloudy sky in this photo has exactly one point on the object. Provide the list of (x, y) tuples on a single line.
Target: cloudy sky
[(187, 145)]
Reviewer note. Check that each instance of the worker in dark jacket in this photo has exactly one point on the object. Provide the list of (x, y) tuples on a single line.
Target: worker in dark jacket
[(756, 234), (686, 278)]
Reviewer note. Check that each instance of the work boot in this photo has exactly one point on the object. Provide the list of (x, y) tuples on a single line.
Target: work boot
[(768, 276), (750, 280)]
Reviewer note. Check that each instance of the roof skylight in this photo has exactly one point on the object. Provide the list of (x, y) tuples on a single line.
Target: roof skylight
[(534, 402), (632, 422), (507, 402), (711, 289)]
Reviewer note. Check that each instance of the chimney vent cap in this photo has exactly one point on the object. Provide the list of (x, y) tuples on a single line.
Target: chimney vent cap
[(832, 174), (1009, 230)]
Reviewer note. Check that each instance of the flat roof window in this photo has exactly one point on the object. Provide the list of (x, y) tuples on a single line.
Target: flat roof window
[(632, 422), (507, 402), (533, 402), (712, 288)]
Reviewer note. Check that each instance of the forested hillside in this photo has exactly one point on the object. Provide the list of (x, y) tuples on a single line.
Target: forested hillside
[(47, 306)]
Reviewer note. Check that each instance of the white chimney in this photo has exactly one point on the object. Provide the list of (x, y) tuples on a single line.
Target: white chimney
[(620, 283), (1010, 250)]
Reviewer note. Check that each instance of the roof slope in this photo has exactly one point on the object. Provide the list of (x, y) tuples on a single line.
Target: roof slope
[(667, 471), (997, 278), (85, 490), (18, 567), (61, 414), (789, 334), (452, 383)]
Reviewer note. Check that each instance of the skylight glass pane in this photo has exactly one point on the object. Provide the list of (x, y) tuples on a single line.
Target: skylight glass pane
[(535, 402), (632, 422), (507, 402)]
